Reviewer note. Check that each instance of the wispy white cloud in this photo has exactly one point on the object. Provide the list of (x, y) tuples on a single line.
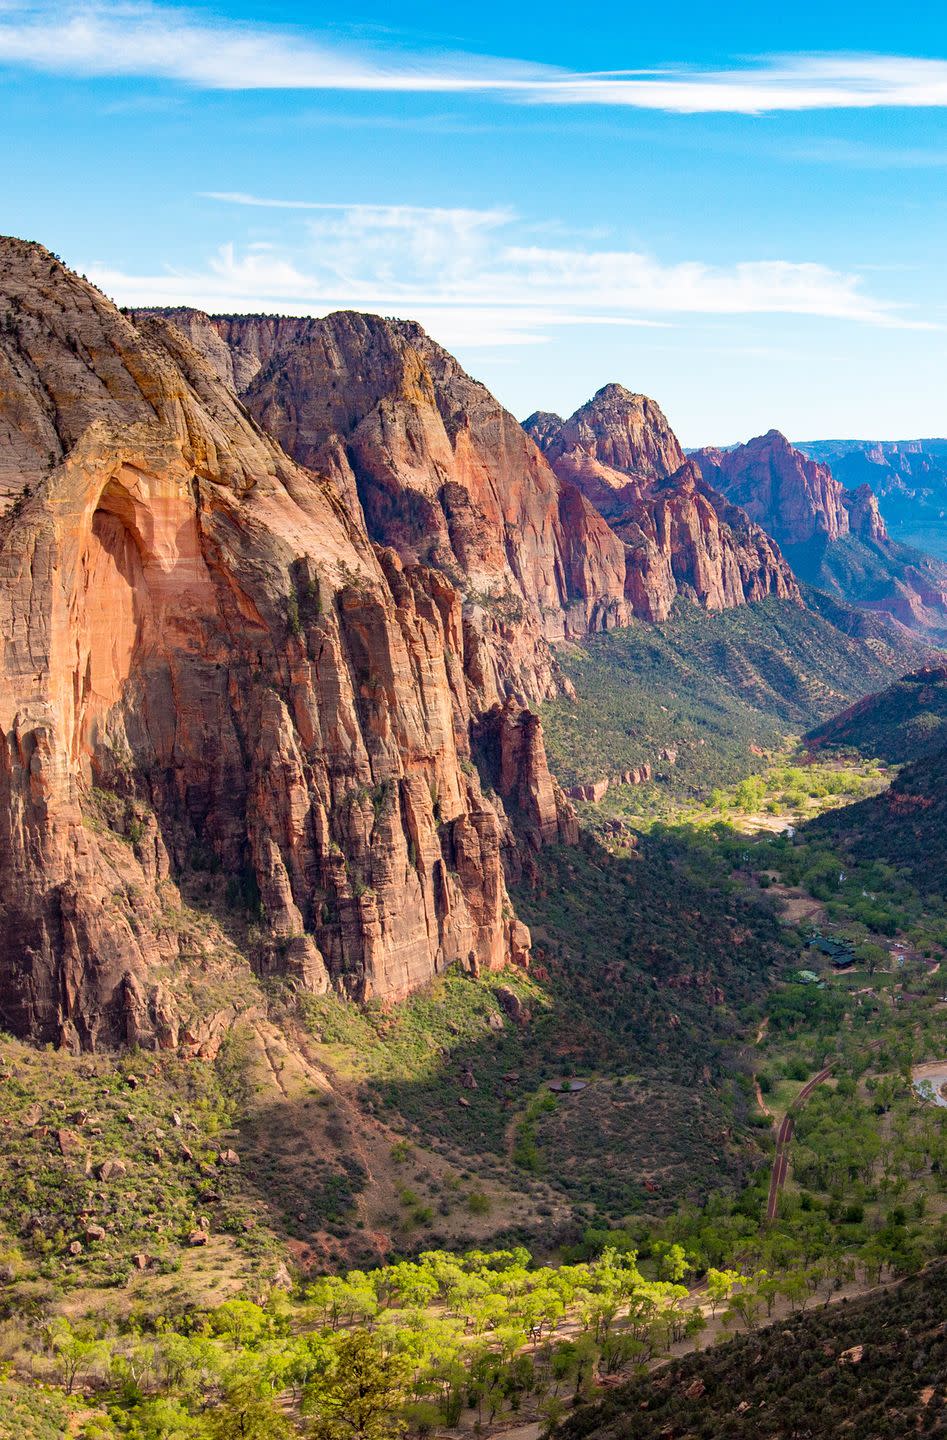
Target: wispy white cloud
[(478, 277), (98, 38)]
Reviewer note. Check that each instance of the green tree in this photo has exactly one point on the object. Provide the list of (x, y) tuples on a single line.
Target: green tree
[(360, 1396), (248, 1410)]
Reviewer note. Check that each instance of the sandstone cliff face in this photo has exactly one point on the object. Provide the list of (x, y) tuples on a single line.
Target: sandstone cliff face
[(205, 651), (443, 474), (864, 515), (625, 436), (685, 539), (835, 538), (681, 536), (446, 477), (796, 500), (235, 346)]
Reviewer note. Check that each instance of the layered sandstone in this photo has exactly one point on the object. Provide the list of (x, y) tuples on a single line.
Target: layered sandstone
[(682, 537), (835, 538), (206, 651), (797, 500)]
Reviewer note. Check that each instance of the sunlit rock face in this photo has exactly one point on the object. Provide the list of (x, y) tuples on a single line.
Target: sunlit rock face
[(682, 536), (236, 652)]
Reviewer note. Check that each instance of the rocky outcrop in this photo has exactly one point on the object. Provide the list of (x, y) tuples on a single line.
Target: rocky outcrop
[(795, 499), (207, 653), (865, 516), (235, 346), (835, 538), (595, 790), (509, 744), (617, 443), (542, 427), (685, 539), (681, 536)]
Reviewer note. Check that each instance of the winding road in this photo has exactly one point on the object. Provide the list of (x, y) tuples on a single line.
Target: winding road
[(783, 1137)]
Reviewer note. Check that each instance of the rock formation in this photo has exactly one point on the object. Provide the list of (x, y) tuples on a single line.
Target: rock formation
[(612, 448), (209, 651), (682, 537), (908, 476), (834, 538), (442, 473), (795, 499)]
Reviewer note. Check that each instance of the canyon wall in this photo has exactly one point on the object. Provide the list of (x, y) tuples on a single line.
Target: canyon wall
[(835, 538), (795, 499), (206, 653), (681, 535)]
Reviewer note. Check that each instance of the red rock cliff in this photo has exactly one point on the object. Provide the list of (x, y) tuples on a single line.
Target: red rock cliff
[(796, 500), (443, 474), (682, 536), (203, 644)]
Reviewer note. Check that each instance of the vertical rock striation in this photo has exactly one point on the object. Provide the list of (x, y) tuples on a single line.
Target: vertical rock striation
[(681, 535), (206, 650)]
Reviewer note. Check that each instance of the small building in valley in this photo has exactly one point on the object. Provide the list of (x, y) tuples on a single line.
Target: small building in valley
[(838, 952)]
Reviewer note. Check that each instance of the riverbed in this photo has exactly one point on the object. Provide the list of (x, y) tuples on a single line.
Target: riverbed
[(930, 1080)]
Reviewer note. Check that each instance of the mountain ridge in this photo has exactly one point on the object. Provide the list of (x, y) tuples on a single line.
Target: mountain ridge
[(834, 538), (683, 537)]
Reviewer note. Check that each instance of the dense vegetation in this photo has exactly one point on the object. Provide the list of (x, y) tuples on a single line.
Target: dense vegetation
[(719, 690), (869, 1369), (905, 827), (905, 722), (366, 1354)]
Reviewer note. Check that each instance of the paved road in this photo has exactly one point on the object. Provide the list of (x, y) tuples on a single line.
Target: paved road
[(783, 1137)]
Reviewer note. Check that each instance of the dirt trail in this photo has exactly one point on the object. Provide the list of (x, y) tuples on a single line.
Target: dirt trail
[(783, 1137)]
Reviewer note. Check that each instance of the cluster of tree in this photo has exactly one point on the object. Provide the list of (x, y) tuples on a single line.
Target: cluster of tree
[(869, 1369), (370, 1353)]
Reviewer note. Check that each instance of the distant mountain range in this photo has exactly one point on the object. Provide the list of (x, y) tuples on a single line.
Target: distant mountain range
[(908, 476), (705, 524), (834, 537)]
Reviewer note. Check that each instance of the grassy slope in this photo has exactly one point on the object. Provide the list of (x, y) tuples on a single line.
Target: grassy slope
[(712, 686), (791, 1379)]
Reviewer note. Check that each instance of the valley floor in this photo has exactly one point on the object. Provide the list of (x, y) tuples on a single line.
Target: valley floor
[(190, 1245)]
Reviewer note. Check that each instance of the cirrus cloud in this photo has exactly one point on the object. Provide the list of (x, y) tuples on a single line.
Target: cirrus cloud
[(479, 277), (95, 38)]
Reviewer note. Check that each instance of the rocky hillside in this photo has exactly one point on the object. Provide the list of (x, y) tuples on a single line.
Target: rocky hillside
[(865, 1368), (834, 538), (905, 722), (211, 667), (908, 476), (683, 537), (614, 446)]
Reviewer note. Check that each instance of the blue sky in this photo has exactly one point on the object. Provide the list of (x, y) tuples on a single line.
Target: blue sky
[(740, 213)]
